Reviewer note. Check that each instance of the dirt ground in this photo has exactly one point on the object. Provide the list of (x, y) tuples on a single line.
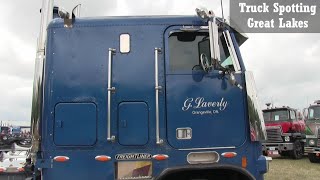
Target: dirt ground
[(289, 169)]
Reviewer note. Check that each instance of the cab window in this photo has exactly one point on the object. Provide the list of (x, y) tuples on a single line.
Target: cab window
[(185, 49)]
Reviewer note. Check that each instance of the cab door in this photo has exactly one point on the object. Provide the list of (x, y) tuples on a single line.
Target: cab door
[(203, 109)]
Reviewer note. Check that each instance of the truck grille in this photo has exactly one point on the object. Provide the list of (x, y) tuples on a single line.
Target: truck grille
[(274, 134)]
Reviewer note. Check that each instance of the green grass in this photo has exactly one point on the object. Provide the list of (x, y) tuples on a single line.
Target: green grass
[(289, 169)]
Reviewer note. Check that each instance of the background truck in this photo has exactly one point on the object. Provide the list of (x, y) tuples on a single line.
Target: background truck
[(13, 134), (313, 132), (285, 132), (148, 97)]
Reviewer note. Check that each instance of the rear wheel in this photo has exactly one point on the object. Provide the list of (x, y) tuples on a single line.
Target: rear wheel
[(297, 152), (313, 158)]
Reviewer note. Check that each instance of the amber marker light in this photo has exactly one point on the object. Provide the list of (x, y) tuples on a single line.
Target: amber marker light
[(244, 162), (160, 157), (229, 154), (102, 158), (61, 158)]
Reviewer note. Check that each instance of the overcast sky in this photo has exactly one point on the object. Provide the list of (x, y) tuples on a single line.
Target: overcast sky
[(286, 66)]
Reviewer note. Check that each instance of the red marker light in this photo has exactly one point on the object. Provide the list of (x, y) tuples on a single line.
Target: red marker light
[(160, 157), (21, 169), (102, 158), (2, 169), (229, 154), (61, 158)]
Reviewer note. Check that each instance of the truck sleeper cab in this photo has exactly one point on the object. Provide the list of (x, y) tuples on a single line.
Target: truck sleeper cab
[(313, 132), (136, 98), (285, 132)]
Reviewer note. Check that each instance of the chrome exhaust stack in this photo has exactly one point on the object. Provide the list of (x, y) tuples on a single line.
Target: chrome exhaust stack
[(46, 17)]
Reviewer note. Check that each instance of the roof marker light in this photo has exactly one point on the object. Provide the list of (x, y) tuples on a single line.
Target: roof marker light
[(160, 157), (61, 158), (102, 158), (229, 154)]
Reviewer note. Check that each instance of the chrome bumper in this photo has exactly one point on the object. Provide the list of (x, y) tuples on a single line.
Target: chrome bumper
[(277, 146), (312, 149)]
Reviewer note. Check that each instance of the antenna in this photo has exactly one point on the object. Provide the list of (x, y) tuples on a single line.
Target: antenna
[(222, 10)]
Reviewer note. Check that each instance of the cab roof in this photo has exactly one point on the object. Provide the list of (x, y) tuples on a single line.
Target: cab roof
[(278, 109), (168, 20)]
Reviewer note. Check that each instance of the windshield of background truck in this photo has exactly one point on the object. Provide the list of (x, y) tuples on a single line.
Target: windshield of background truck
[(186, 47), (281, 115), (314, 112), (16, 130), (4, 130)]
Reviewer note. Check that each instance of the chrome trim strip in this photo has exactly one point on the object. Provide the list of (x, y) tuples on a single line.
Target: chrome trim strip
[(233, 51), (208, 148), (110, 90), (157, 88)]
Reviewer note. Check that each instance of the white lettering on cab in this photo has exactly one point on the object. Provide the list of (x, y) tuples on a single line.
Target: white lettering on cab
[(200, 103)]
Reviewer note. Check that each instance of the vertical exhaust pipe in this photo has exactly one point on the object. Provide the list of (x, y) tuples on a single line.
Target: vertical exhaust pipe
[(46, 17)]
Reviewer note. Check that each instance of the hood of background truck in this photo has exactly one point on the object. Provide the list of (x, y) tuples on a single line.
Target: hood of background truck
[(284, 124)]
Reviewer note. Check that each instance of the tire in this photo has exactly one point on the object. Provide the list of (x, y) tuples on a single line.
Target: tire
[(313, 158), (297, 152)]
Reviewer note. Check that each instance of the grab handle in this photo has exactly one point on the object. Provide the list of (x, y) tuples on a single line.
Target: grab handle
[(110, 90), (157, 88)]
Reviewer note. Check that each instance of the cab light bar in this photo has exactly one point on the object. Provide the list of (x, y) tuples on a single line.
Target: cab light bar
[(61, 158)]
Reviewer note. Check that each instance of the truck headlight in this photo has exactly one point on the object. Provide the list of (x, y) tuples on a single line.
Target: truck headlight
[(311, 142), (287, 138)]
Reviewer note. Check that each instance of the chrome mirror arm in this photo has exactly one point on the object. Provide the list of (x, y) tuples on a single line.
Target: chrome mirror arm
[(210, 18)]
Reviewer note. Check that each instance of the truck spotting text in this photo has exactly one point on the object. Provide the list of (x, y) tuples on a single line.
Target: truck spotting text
[(292, 23), (277, 8)]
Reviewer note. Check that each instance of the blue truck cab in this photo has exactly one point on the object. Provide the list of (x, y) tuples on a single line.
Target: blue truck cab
[(148, 97)]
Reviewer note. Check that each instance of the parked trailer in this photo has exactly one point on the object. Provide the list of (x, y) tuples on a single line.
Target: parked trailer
[(148, 97), (313, 132)]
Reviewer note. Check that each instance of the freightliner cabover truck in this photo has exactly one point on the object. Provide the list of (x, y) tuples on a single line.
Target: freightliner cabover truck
[(148, 97), (313, 132), (285, 132)]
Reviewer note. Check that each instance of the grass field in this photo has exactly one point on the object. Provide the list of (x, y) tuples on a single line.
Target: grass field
[(287, 169)]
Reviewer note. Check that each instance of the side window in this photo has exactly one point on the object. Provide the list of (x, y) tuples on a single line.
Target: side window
[(185, 49), (311, 113), (292, 115)]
